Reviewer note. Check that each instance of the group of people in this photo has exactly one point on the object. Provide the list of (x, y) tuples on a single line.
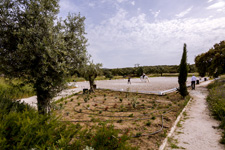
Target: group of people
[(193, 81), (143, 78)]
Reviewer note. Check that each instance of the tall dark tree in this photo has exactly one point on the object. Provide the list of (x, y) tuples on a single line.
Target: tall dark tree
[(38, 48), (183, 71)]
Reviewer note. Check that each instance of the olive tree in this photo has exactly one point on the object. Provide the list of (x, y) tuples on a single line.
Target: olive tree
[(90, 72), (37, 47)]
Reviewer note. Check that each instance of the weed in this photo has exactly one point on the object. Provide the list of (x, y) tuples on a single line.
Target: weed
[(121, 100), (131, 115), (153, 118), (60, 105), (148, 124), (78, 104), (85, 99), (120, 121), (71, 99), (106, 108), (138, 134)]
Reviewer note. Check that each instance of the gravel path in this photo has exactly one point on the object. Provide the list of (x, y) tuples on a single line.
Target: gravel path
[(196, 131)]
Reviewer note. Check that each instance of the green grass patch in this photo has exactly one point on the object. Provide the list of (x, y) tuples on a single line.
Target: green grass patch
[(15, 88)]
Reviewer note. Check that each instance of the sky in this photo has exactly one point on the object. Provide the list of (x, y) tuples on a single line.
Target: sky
[(122, 33)]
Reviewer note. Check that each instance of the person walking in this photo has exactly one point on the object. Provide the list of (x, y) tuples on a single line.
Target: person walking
[(193, 80)]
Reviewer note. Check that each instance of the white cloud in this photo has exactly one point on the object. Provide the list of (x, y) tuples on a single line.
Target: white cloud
[(218, 5), (91, 4), (122, 41), (182, 14), (209, 1), (133, 3), (155, 14), (120, 1)]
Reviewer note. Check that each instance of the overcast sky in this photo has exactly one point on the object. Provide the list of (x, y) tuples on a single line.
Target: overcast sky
[(122, 33)]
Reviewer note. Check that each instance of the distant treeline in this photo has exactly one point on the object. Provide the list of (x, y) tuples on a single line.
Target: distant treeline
[(138, 71)]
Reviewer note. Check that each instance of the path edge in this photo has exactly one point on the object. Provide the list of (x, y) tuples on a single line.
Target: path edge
[(165, 141)]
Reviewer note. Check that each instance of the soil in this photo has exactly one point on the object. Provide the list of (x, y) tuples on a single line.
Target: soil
[(132, 113), (197, 130)]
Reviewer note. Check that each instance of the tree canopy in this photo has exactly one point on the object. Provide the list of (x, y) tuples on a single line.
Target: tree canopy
[(213, 61), (38, 47)]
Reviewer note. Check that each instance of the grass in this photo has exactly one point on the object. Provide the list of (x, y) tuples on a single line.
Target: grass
[(15, 88), (216, 101)]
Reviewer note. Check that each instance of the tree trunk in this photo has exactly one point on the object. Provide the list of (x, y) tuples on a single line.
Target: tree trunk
[(43, 102), (91, 86)]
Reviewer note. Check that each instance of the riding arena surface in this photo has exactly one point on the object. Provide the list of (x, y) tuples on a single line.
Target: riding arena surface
[(155, 84)]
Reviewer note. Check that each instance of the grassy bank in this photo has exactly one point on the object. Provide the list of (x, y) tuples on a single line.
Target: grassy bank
[(15, 88), (216, 101)]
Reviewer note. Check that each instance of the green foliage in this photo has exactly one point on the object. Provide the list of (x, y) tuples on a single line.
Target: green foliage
[(166, 70), (107, 138), (216, 101), (148, 123), (183, 71), (140, 71), (131, 115), (40, 49), (108, 74), (15, 89), (213, 61), (22, 127), (90, 72)]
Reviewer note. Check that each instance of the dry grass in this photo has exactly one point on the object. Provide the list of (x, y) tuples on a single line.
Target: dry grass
[(131, 113)]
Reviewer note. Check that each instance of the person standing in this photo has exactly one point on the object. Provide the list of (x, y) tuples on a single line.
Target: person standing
[(129, 80), (193, 80)]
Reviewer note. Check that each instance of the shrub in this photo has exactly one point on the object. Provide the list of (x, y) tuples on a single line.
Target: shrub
[(106, 138), (22, 127), (148, 123), (216, 101), (131, 115)]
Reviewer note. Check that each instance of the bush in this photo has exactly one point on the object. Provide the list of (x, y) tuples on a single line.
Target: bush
[(15, 89), (107, 138), (216, 101), (21, 127)]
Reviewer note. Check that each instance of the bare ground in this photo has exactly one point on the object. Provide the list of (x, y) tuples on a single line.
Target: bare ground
[(196, 130)]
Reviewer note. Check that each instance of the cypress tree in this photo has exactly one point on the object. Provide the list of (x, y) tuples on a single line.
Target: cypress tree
[(183, 71)]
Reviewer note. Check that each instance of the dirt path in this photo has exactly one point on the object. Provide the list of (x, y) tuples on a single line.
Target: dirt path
[(195, 130)]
